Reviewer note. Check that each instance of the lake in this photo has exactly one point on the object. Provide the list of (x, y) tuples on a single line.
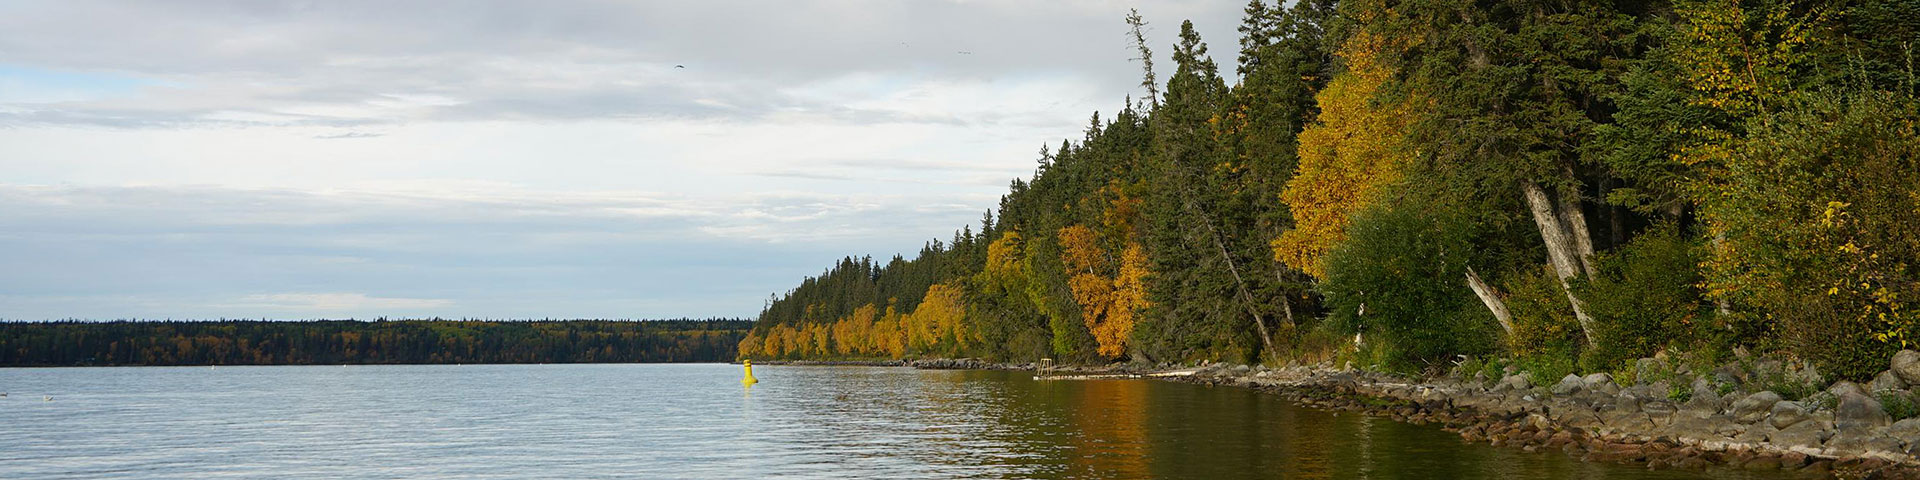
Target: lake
[(697, 421)]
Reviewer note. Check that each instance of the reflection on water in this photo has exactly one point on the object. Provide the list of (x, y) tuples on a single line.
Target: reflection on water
[(695, 421)]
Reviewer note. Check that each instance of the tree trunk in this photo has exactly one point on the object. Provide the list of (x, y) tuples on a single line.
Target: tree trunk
[(1491, 299), (1561, 249), (1575, 218)]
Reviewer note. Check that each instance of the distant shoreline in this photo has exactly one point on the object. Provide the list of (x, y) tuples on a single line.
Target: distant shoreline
[(353, 342)]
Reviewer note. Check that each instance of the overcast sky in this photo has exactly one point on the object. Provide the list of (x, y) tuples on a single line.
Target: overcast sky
[(499, 159)]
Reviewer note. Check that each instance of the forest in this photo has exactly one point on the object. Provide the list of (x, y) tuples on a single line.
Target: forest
[(330, 342), (1403, 184)]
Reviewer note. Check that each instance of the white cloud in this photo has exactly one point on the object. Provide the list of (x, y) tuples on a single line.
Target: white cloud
[(519, 158)]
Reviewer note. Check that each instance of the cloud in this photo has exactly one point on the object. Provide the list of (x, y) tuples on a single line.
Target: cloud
[(451, 249), (348, 135), (364, 62), (520, 158)]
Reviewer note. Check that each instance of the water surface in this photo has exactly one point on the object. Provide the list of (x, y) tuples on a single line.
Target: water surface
[(696, 421)]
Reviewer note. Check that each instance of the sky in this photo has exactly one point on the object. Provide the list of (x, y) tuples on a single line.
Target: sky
[(522, 159)]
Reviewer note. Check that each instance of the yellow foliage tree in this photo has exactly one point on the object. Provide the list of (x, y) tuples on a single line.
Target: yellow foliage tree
[(940, 318), (1129, 297), (1355, 146), (1108, 305)]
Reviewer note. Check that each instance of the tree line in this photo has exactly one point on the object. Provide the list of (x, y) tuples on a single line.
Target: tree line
[(1398, 183), (329, 342)]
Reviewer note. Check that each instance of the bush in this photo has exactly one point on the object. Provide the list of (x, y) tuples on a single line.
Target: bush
[(1818, 212), (1645, 297), (1899, 405), (1543, 323), (1400, 280), (1546, 370), (1778, 381)]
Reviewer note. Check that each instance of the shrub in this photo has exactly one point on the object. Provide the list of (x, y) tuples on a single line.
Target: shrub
[(1777, 381), (1546, 370), (1818, 212), (1400, 279), (1543, 323), (1900, 405), (1644, 297)]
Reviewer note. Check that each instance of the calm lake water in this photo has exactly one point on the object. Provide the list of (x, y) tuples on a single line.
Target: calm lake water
[(696, 421)]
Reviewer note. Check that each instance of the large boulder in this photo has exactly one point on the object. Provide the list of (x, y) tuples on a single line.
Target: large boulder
[(1906, 365), (1786, 414), (1754, 407), (1858, 414), (1569, 385)]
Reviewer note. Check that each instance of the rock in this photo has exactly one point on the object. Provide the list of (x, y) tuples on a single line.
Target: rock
[(1906, 431), (1600, 382), (1810, 434), (1568, 385), (1628, 421), (1858, 414), (1658, 407), (1841, 388), (1513, 382), (1757, 433), (1704, 398), (1793, 459), (1697, 425), (1730, 374), (1886, 381), (1906, 365), (1785, 414), (1754, 407), (1538, 421), (1627, 401), (1870, 442)]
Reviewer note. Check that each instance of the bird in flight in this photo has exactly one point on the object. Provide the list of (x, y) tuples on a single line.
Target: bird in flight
[(964, 52), (679, 66)]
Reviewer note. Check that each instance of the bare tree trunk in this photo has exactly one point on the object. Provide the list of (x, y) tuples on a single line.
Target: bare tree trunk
[(1561, 250), (1575, 218), (1491, 299)]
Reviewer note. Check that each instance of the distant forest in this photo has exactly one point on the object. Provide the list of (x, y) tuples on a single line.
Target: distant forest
[(330, 342)]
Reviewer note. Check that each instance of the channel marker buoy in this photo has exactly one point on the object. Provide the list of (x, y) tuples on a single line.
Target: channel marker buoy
[(749, 380)]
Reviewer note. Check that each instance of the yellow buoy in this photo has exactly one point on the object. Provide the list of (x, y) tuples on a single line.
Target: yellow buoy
[(749, 381)]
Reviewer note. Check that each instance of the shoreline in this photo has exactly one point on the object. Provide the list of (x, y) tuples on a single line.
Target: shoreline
[(1590, 418)]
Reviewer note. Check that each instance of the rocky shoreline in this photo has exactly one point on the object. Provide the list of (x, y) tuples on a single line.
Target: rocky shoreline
[(1599, 421), (1668, 417)]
